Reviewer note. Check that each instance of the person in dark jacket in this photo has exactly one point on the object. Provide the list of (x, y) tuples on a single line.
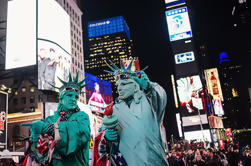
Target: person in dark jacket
[(178, 160), (189, 158)]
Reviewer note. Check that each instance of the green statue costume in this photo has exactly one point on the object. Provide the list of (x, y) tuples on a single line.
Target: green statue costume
[(140, 114), (69, 127)]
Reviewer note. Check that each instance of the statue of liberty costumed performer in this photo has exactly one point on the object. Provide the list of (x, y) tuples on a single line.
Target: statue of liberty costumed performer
[(139, 114), (68, 131)]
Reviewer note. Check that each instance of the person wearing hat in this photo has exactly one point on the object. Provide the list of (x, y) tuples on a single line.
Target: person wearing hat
[(63, 138), (140, 109), (179, 161)]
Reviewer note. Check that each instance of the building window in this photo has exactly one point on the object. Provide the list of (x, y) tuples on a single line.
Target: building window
[(15, 101), (23, 89), (32, 99), (32, 89), (40, 97), (23, 100)]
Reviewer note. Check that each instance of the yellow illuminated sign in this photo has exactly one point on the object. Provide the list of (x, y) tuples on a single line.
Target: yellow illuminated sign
[(213, 83)]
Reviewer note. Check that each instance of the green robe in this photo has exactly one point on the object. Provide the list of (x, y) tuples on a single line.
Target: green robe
[(141, 143), (74, 139)]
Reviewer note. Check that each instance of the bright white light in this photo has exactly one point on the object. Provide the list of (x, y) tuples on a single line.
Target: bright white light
[(179, 124), (54, 23), (178, 24), (21, 34), (54, 38), (198, 135)]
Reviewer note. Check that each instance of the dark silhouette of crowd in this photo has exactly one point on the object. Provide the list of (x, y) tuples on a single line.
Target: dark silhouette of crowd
[(205, 154)]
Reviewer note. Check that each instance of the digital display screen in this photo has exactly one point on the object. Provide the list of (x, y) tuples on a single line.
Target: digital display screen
[(218, 108), (229, 135), (190, 94), (198, 135), (50, 108), (194, 120), (53, 62), (3, 120), (135, 64), (54, 45), (21, 34), (173, 3), (54, 24), (178, 24), (98, 93), (215, 122), (213, 84), (107, 26), (184, 57)]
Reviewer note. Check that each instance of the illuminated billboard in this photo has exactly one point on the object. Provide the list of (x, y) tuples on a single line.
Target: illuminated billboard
[(45, 32), (199, 135), (214, 89), (218, 107), (54, 44), (215, 122), (179, 124), (98, 93), (107, 26), (50, 108), (190, 93), (184, 57), (174, 3), (194, 120), (135, 64), (178, 24), (213, 83), (229, 135), (21, 34), (3, 120)]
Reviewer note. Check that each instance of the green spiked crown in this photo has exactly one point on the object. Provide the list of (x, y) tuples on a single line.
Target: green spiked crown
[(71, 84), (123, 72)]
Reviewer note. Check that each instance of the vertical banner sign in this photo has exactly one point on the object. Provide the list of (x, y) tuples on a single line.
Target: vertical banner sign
[(3, 120)]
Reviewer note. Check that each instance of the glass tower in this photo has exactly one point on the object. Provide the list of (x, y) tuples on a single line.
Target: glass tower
[(109, 39)]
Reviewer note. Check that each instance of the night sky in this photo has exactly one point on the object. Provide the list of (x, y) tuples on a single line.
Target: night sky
[(211, 21)]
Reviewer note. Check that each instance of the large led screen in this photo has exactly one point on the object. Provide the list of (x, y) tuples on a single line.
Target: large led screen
[(213, 83), (3, 120), (53, 62), (190, 94), (194, 120), (215, 122), (184, 57), (98, 93), (135, 64), (54, 44), (178, 24), (199, 135), (21, 34)]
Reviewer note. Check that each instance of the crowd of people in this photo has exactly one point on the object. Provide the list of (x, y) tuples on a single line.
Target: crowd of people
[(203, 154)]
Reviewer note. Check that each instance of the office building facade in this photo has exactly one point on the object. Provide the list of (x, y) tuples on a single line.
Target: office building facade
[(109, 39)]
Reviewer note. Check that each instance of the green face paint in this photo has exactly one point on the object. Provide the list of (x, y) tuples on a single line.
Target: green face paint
[(126, 88), (69, 100)]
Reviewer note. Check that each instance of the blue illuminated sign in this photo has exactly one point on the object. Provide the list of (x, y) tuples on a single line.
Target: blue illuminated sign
[(98, 93), (107, 26), (224, 57), (173, 3), (184, 57), (178, 24)]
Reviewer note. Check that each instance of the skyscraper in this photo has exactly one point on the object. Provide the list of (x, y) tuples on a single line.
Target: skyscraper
[(109, 39)]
